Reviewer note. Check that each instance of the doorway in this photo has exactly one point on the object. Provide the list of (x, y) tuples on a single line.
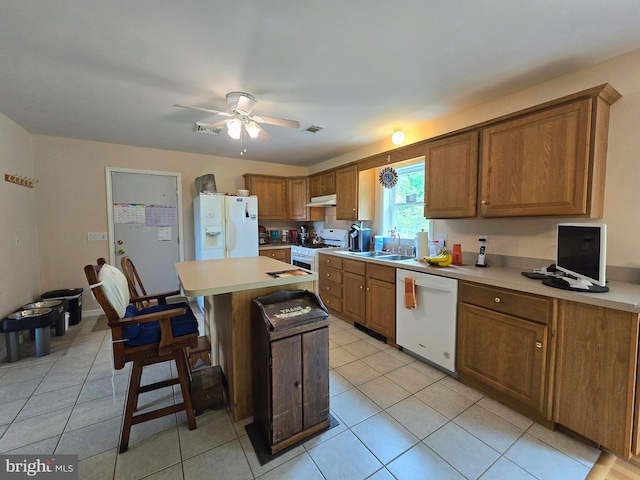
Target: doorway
[(145, 223)]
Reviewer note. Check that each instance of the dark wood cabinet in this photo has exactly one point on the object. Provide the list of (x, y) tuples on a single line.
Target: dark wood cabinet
[(504, 346), (291, 381)]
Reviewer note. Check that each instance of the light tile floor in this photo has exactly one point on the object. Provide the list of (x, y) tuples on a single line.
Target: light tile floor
[(399, 418)]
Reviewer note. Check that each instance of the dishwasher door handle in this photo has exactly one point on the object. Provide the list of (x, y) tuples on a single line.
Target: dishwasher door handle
[(434, 286)]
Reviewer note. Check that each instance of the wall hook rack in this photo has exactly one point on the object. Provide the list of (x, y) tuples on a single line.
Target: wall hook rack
[(20, 180)]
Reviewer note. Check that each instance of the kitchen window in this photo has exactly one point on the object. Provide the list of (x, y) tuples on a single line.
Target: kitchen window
[(404, 203)]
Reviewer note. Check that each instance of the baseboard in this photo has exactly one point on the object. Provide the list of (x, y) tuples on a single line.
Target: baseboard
[(92, 313)]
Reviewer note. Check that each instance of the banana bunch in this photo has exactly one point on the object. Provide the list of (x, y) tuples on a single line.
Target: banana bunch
[(443, 259)]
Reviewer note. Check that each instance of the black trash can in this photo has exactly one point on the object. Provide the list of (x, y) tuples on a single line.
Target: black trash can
[(73, 296)]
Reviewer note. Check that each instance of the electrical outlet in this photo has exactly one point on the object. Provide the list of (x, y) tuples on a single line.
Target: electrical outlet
[(96, 236)]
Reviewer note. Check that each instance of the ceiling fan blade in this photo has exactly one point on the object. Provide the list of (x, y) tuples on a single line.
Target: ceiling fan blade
[(263, 135), (213, 126), (245, 105), (208, 110), (280, 122)]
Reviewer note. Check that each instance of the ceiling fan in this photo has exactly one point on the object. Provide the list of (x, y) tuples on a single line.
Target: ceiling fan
[(242, 104)]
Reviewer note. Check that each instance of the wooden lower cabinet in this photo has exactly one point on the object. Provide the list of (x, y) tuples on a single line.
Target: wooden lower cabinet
[(381, 300), (330, 282), (597, 374), (291, 383), (282, 254), (504, 352)]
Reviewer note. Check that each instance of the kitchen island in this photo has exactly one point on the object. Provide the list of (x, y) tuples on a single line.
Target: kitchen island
[(228, 286)]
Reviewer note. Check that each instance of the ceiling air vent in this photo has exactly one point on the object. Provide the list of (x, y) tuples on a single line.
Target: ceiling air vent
[(200, 128), (313, 129)]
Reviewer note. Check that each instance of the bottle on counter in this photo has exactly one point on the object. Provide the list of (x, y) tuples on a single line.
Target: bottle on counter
[(456, 253)]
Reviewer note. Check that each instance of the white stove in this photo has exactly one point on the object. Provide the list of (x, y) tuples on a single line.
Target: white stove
[(306, 256)]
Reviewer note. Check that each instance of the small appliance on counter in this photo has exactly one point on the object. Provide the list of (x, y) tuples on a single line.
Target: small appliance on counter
[(293, 236), (482, 255), (304, 234), (263, 235), (359, 238)]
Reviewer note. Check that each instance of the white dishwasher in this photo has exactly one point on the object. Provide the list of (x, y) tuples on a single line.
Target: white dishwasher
[(429, 330)]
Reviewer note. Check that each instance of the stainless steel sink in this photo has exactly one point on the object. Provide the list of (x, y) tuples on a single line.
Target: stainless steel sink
[(371, 254), (397, 257)]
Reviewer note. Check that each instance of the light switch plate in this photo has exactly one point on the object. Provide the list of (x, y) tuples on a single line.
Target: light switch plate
[(96, 236)]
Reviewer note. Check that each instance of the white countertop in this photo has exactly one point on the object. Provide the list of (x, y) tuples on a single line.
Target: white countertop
[(621, 296), (212, 277)]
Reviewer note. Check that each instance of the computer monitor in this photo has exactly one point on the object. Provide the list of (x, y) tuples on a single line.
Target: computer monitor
[(581, 254)]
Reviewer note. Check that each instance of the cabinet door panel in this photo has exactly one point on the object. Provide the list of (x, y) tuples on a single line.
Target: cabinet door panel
[(347, 193), (503, 352), (297, 198), (286, 387), (315, 388), (537, 164), (354, 305), (272, 196), (451, 177), (381, 307), (596, 374)]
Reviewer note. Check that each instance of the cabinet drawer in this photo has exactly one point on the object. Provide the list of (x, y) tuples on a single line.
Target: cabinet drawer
[(331, 288), (330, 275), (331, 302), (354, 266), (523, 305), (279, 254), (329, 261), (386, 274)]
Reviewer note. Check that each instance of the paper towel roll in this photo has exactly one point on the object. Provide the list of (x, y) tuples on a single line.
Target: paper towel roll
[(422, 245)]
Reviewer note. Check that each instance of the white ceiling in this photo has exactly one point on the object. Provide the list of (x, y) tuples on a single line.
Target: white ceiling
[(111, 70)]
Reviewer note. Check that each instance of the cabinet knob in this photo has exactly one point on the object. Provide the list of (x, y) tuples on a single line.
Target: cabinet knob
[(361, 287), (328, 274), (354, 209), (484, 202), (273, 254), (497, 300), (298, 385), (538, 344), (367, 289)]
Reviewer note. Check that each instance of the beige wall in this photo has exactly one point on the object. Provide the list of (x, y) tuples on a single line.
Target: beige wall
[(19, 276), (72, 198)]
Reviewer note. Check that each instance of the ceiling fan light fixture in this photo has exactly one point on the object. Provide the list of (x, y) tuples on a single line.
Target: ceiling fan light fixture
[(398, 136), (234, 127), (252, 129)]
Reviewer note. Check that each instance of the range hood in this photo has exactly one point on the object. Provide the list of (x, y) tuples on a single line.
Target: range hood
[(323, 201)]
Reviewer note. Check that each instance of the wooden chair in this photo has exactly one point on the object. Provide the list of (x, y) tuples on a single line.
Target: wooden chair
[(164, 332), (137, 292)]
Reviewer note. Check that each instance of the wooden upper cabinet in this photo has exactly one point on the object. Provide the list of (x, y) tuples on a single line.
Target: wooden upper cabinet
[(451, 177), (322, 184), (347, 193), (355, 194), (272, 195), (537, 165), (549, 160), (297, 198)]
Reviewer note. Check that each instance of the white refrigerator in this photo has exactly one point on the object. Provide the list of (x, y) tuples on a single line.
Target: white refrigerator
[(225, 227)]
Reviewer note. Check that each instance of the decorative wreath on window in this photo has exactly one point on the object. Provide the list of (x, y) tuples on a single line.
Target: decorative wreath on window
[(388, 177)]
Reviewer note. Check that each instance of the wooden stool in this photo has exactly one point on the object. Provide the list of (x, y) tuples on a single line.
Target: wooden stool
[(207, 390), (201, 352)]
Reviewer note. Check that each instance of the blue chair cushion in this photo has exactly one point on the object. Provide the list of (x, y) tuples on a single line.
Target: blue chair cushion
[(146, 333)]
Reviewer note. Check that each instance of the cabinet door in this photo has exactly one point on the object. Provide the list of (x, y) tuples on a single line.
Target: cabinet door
[(451, 177), (272, 196), (286, 387), (354, 306), (381, 307), (297, 198), (595, 379), (347, 193), (537, 164), (315, 386), (504, 352), (322, 184)]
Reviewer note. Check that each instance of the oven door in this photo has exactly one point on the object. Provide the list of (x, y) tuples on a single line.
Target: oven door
[(302, 262)]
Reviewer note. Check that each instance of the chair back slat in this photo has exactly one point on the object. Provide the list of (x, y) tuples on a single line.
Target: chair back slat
[(136, 288)]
